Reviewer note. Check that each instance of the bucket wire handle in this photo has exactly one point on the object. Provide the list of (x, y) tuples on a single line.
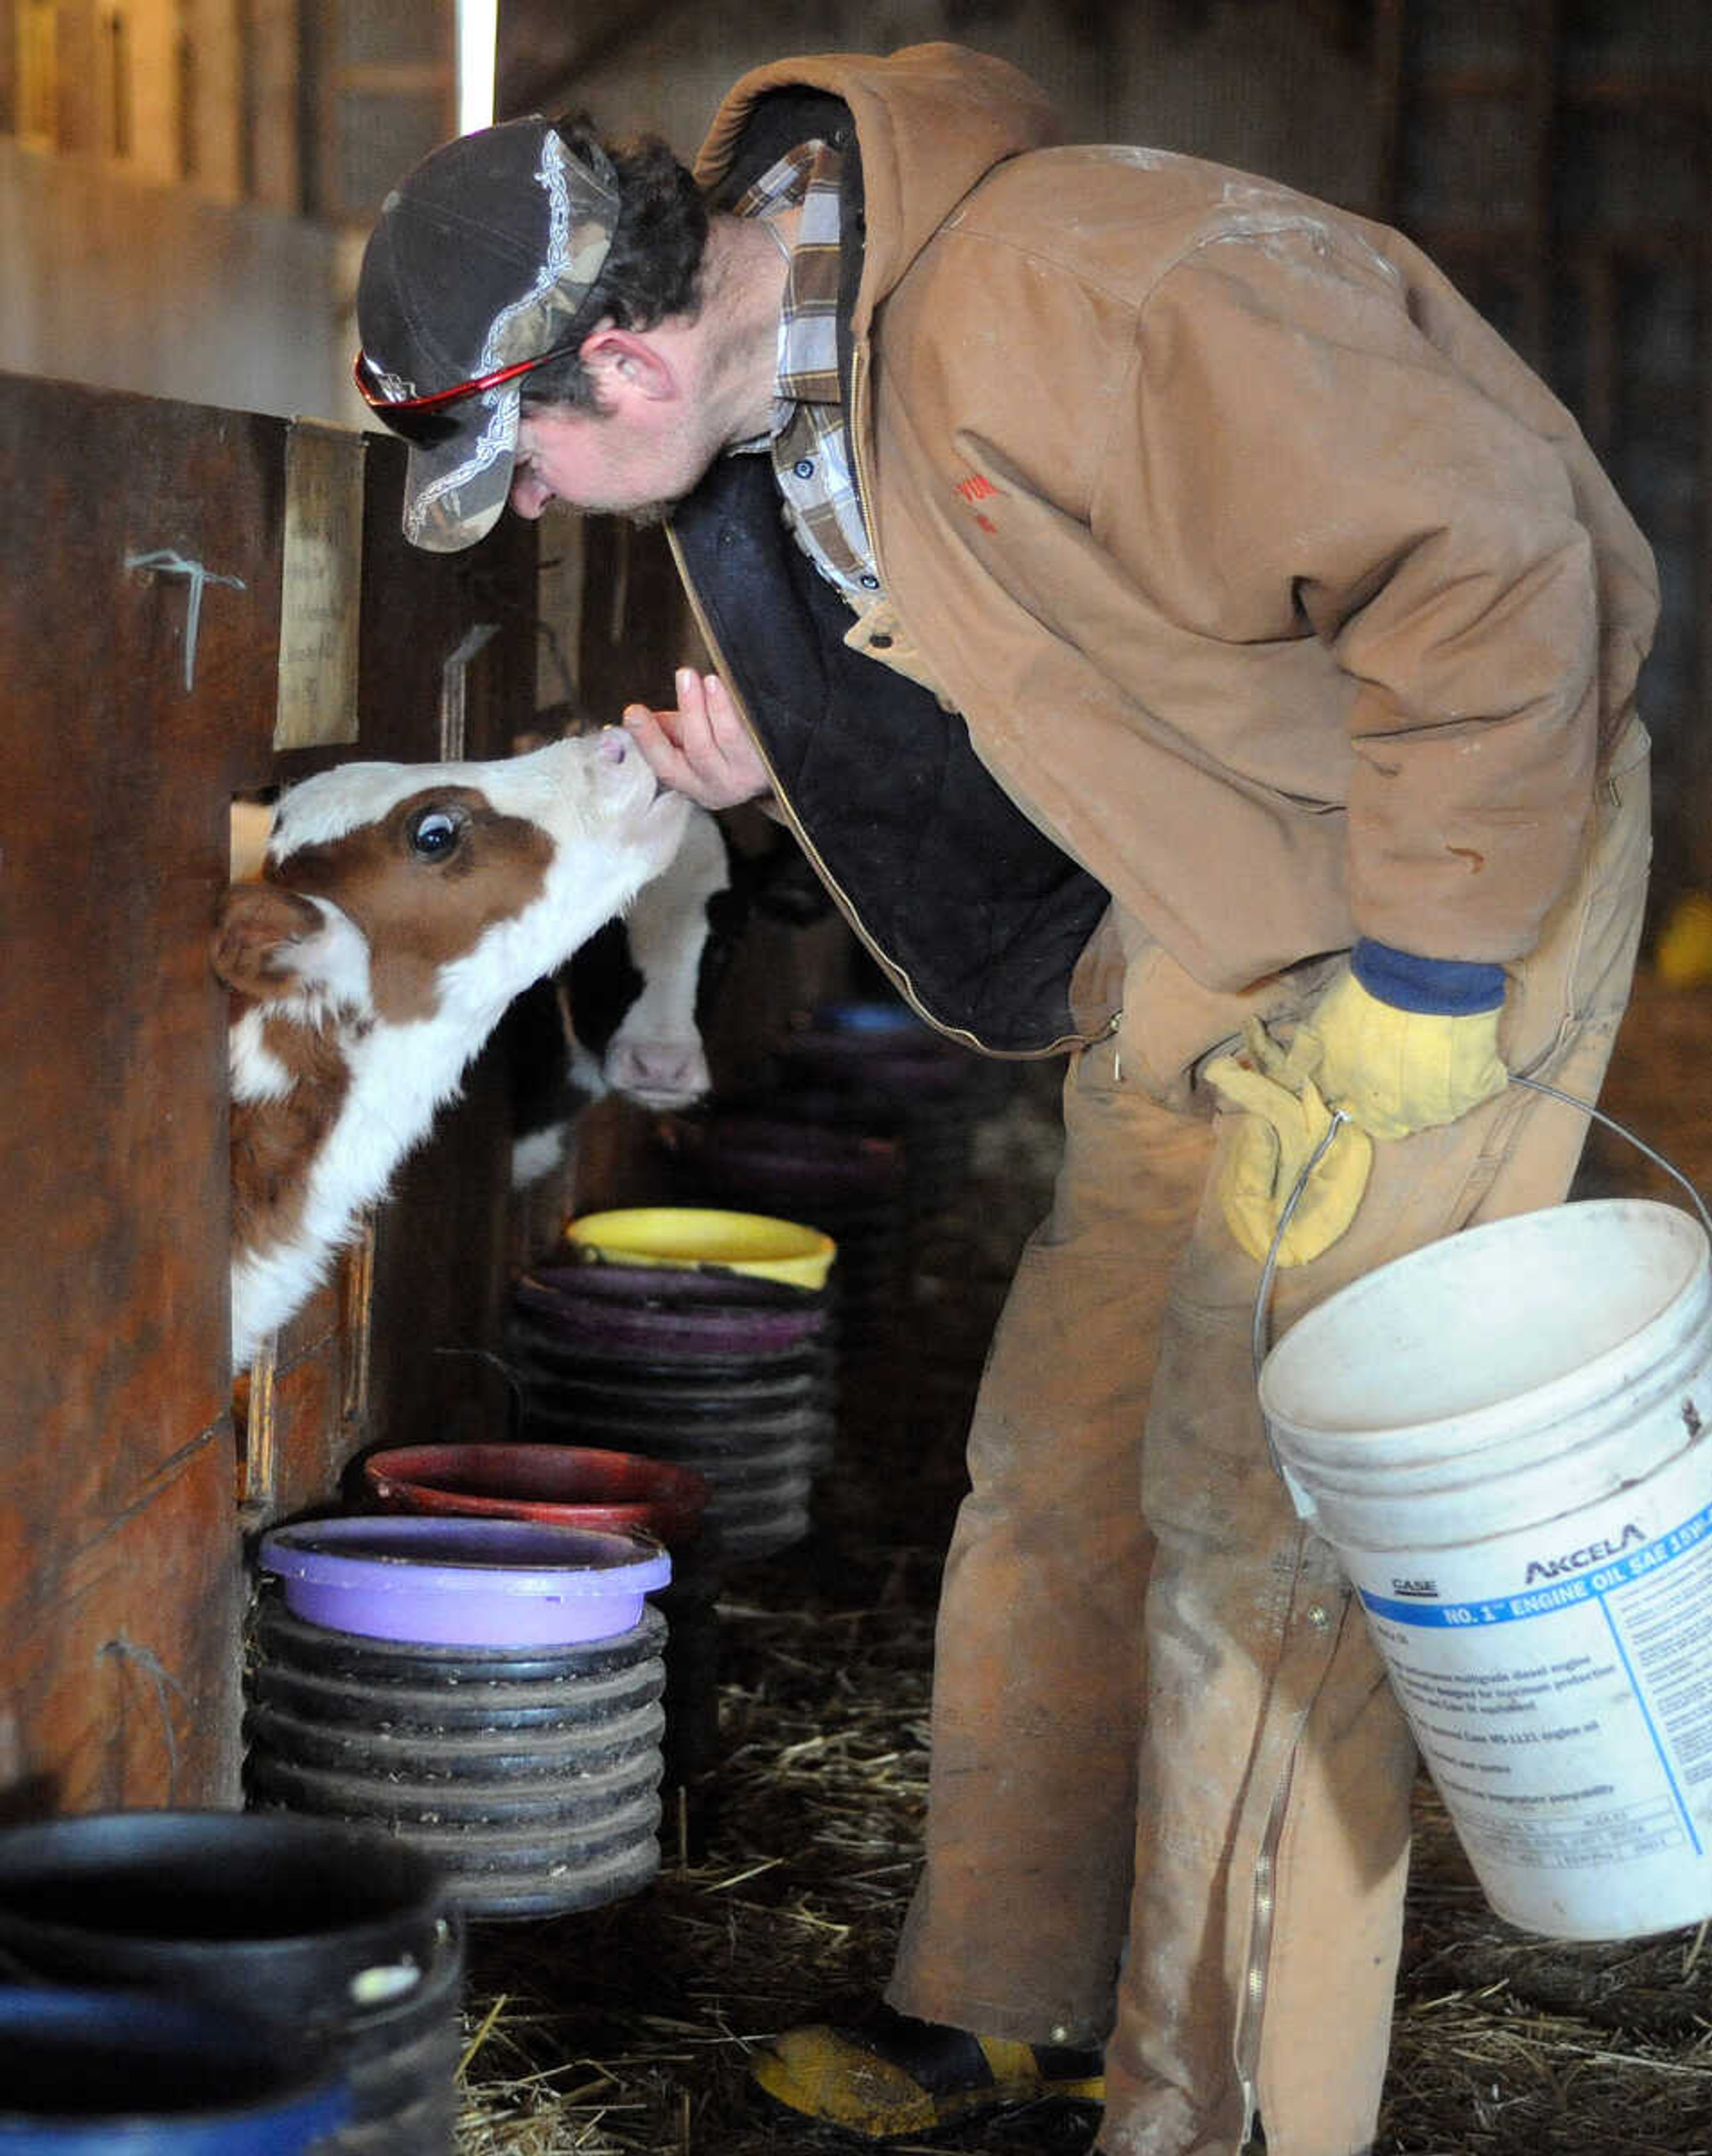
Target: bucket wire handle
[(1263, 1298), (1611, 1123)]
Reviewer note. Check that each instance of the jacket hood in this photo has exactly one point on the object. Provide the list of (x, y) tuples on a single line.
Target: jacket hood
[(930, 121)]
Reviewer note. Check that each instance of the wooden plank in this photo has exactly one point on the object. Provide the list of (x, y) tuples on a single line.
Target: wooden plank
[(297, 1428), (635, 625), (1698, 819), (442, 1242), (140, 606), (1497, 244), (78, 75), (442, 1246), (1660, 88), (1389, 131), (321, 587), (269, 143), (121, 1659), (1538, 145), (115, 1443), (396, 78)]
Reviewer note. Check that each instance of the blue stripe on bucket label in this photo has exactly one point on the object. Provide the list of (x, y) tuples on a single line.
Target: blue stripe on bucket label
[(1558, 1593)]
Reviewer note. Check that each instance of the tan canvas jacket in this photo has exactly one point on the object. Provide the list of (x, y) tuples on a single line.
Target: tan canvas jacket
[(1268, 581)]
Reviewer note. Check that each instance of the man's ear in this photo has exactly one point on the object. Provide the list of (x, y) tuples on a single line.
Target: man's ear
[(628, 363)]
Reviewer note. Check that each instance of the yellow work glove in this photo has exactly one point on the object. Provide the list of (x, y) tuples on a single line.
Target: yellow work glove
[(1284, 1117), (1395, 1072)]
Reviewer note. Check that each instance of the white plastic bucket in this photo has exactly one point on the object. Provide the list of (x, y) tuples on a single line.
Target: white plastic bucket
[(1504, 1436)]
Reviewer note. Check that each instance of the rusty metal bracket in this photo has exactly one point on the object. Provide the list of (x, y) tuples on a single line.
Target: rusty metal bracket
[(454, 688)]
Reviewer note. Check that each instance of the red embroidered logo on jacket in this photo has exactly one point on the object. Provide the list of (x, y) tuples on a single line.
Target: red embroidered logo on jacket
[(975, 487)]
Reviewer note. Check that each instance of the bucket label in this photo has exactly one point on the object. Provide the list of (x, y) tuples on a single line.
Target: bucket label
[(1561, 1692), (1565, 1577)]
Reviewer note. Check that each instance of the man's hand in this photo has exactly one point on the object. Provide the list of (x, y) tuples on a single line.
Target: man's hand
[(1283, 1117), (1398, 1071), (703, 749), (1389, 1071)]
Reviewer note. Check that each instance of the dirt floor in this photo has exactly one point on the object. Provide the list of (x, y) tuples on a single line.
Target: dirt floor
[(629, 2030)]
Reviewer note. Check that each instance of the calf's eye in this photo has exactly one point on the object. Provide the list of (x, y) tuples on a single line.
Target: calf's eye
[(435, 832)]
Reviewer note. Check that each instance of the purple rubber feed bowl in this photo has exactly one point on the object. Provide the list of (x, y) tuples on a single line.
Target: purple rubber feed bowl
[(464, 1582)]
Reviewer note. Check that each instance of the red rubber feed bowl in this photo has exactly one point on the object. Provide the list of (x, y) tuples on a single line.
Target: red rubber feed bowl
[(567, 1485)]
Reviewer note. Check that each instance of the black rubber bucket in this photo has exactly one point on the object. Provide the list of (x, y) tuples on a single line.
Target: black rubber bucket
[(593, 1315), (530, 1777), (883, 1043), (692, 1747), (849, 1184), (344, 1944), (577, 1485), (875, 1067), (722, 1373), (937, 1138), (115, 2073)]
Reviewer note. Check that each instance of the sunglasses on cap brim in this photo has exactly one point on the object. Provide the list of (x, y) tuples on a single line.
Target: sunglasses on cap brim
[(426, 421)]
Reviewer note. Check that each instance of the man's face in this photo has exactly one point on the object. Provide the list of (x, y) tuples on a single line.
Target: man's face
[(637, 465)]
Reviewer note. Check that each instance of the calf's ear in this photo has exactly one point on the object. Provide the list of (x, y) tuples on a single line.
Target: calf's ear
[(257, 933)]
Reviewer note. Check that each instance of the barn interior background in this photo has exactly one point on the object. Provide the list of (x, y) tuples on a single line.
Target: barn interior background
[(185, 185)]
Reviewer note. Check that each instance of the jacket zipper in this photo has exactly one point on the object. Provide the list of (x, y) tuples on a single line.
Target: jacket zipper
[(865, 496), (895, 972)]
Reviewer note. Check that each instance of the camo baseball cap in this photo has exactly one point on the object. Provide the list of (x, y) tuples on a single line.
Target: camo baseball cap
[(478, 268)]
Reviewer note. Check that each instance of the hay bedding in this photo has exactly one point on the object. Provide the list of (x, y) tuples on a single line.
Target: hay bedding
[(625, 2032)]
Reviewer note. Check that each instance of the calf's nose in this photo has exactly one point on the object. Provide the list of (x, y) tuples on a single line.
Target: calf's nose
[(662, 1073)]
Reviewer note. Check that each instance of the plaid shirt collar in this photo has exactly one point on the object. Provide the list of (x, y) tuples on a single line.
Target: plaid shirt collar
[(806, 178), (809, 441)]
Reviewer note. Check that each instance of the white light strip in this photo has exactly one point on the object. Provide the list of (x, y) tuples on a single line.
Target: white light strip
[(477, 40)]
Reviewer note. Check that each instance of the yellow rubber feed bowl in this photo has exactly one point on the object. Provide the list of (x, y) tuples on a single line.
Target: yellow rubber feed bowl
[(692, 1236)]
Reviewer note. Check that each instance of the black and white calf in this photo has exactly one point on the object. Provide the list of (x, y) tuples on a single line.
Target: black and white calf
[(404, 907), (625, 1014)]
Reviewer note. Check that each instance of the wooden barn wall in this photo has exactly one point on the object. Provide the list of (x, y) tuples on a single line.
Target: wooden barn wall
[(123, 284), (1557, 159), (126, 1487), (1280, 86)]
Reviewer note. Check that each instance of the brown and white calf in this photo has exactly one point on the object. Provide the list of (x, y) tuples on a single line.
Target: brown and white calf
[(404, 907)]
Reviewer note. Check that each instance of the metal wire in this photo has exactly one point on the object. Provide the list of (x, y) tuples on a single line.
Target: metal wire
[(1262, 1299), (1611, 1123), (163, 561)]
